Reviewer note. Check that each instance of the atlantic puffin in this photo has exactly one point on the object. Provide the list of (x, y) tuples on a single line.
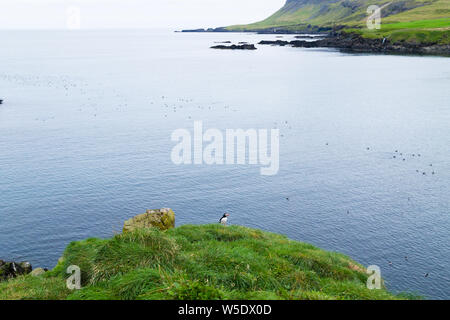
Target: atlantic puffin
[(224, 219)]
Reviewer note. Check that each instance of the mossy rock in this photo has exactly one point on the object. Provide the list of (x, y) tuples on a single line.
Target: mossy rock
[(162, 219), (37, 272)]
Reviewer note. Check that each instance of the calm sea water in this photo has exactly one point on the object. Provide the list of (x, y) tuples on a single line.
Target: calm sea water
[(85, 144)]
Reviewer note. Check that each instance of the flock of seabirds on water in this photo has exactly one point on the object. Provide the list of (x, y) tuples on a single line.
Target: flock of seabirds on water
[(224, 219)]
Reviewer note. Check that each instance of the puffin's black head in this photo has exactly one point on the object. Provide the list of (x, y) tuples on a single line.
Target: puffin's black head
[(226, 215)]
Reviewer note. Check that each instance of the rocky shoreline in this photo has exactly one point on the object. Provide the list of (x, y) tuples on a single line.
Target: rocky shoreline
[(10, 270), (244, 46), (355, 43), (346, 42), (278, 30)]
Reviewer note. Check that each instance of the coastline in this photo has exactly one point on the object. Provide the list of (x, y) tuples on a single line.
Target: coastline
[(344, 41), (353, 43)]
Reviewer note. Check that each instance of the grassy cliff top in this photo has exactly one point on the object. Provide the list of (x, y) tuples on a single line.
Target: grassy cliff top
[(402, 20), (199, 262)]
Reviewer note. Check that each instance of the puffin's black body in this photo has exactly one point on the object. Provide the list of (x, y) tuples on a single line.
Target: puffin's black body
[(224, 219)]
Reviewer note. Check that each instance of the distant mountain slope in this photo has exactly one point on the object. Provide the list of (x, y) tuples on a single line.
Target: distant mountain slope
[(413, 20)]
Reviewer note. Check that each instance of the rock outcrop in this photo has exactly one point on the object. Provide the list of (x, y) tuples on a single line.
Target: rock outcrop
[(162, 219), (38, 272), (10, 270), (352, 42), (236, 47)]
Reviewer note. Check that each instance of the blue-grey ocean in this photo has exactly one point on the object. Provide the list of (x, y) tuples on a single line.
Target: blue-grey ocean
[(85, 143)]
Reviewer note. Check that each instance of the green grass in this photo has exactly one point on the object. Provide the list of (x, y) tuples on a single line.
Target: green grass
[(421, 31), (418, 24), (412, 36), (420, 21), (199, 262)]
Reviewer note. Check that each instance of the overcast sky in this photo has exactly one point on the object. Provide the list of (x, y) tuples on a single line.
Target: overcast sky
[(95, 14)]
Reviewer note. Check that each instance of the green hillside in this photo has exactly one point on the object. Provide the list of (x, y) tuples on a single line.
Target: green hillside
[(410, 20), (199, 262)]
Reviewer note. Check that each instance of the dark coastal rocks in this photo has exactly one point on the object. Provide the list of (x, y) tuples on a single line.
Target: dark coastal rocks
[(236, 47), (316, 36), (10, 270), (356, 43), (281, 43), (220, 29), (308, 44), (275, 30), (194, 30)]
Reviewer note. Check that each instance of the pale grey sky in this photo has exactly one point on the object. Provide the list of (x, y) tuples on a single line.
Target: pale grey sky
[(95, 14)]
